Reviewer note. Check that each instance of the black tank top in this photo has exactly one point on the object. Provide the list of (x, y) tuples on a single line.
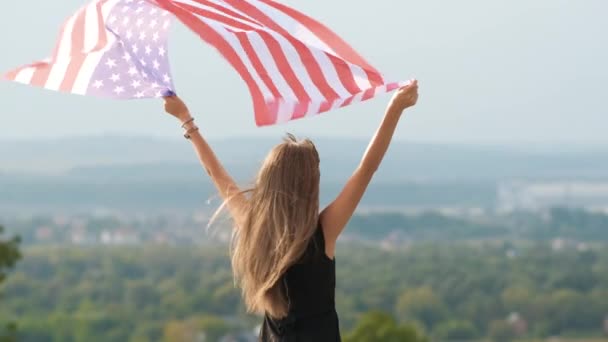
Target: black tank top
[(310, 285)]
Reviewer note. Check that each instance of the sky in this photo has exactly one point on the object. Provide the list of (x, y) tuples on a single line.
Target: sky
[(490, 72)]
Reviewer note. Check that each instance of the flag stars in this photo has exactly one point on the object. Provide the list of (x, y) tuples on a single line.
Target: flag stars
[(139, 9), (112, 19), (166, 78), (143, 62), (161, 51), (153, 11), (148, 50), (125, 21), (126, 57), (119, 90), (129, 34), (132, 71), (139, 94), (142, 36), (166, 24), (98, 84), (136, 84), (134, 48), (155, 36), (153, 23), (139, 22), (111, 63), (156, 64), (115, 77), (155, 85)]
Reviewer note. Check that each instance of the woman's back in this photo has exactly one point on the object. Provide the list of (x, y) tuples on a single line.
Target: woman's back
[(309, 286)]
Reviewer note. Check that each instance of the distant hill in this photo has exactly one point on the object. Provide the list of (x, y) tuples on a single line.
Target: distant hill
[(150, 173), (128, 158)]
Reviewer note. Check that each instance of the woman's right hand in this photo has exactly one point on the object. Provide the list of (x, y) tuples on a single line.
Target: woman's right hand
[(176, 107), (404, 97)]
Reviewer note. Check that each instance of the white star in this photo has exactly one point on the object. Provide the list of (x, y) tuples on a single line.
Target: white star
[(155, 85), (128, 1), (132, 71), (115, 77), (111, 63), (155, 36), (156, 64), (126, 57), (98, 84), (142, 36), (134, 48), (166, 24), (125, 9), (129, 34), (161, 51), (166, 78), (139, 95), (139, 10), (118, 90), (140, 22), (144, 74), (125, 21), (159, 94), (153, 23), (148, 50), (112, 19), (165, 13), (153, 11), (136, 84), (143, 62)]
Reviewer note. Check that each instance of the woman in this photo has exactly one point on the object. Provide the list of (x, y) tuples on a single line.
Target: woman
[(283, 247)]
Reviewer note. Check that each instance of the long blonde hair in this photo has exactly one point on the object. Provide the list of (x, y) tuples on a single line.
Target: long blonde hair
[(280, 219)]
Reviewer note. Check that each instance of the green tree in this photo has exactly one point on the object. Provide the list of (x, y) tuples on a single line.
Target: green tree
[(422, 304), (456, 331), (378, 326), (9, 254)]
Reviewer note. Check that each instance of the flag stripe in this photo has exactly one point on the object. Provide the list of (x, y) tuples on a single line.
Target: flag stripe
[(327, 36), (264, 111), (312, 65), (293, 65)]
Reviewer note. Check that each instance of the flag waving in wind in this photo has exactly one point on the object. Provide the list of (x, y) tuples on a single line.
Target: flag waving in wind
[(293, 65)]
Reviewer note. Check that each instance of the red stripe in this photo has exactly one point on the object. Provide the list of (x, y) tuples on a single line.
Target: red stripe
[(312, 66), (76, 52), (344, 73), (341, 47), (12, 75), (275, 50), (263, 115), (101, 28), (225, 10)]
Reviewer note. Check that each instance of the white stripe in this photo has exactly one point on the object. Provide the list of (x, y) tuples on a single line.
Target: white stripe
[(276, 77), (298, 67), (330, 72), (91, 28), (61, 63), (238, 49), (83, 79), (25, 75), (285, 111), (314, 44), (252, 21), (81, 84), (313, 109), (294, 27), (294, 60), (360, 76)]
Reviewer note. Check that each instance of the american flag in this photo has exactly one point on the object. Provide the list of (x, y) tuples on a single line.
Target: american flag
[(293, 65)]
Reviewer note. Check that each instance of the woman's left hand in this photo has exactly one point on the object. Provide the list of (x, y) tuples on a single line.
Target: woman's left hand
[(176, 107)]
